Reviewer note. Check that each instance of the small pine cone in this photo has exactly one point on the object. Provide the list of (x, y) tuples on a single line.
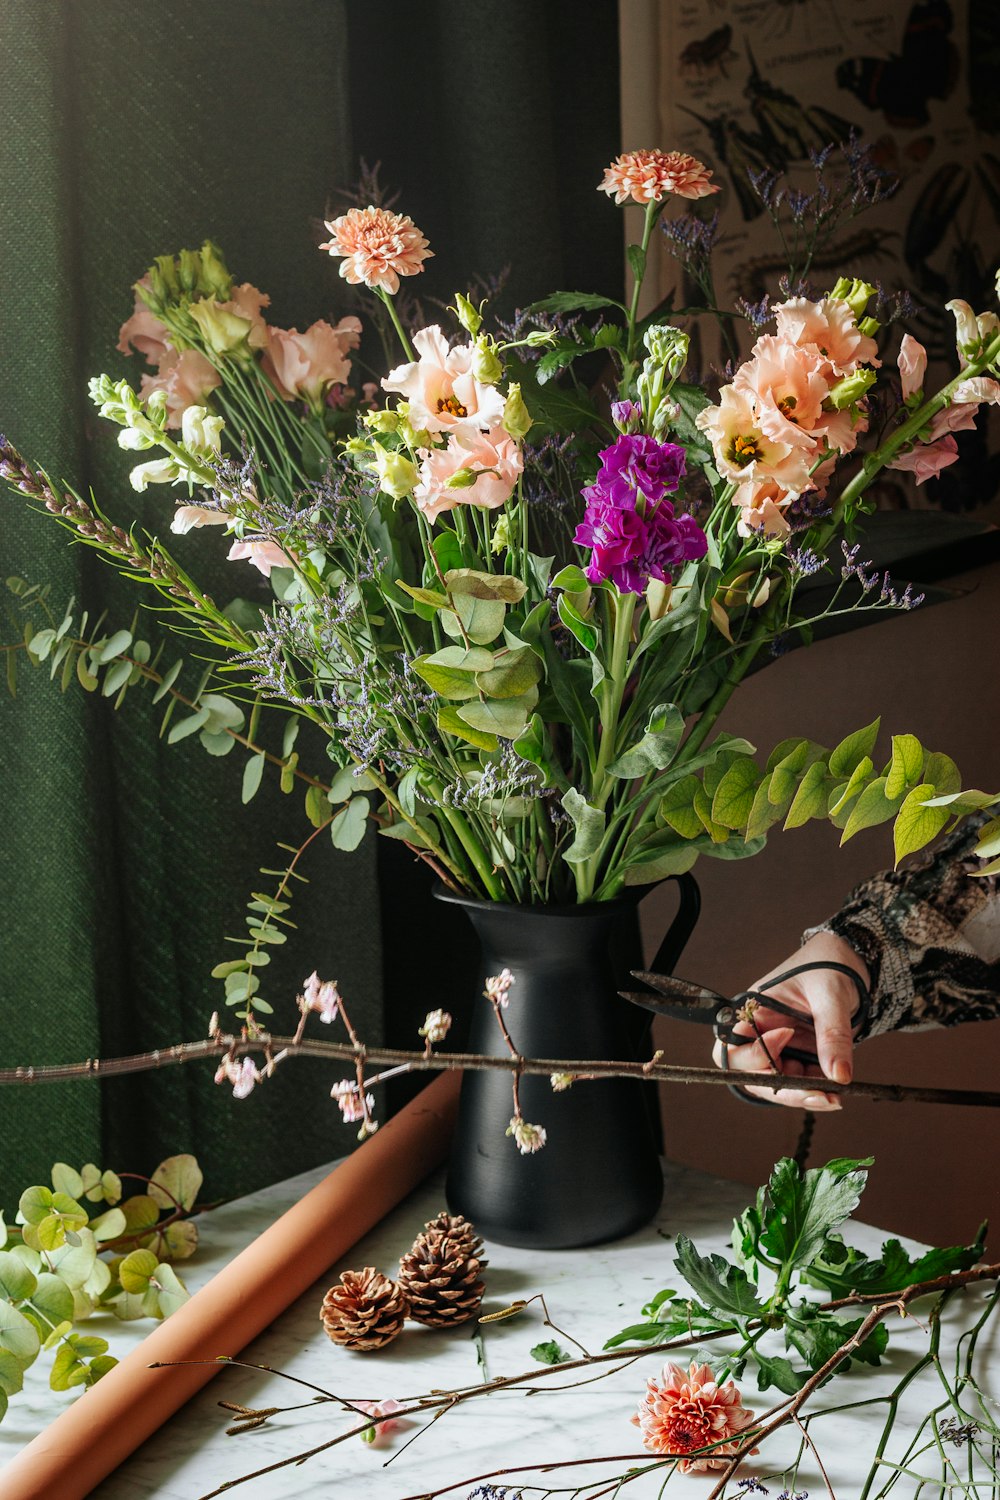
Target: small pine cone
[(365, 1311), (440, 1274)]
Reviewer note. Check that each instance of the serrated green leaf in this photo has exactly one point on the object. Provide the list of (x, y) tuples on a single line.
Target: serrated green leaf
[(549, 1353), (720, 1286), (916, 824), (804, 1208), (906, 765), (775, 1370)]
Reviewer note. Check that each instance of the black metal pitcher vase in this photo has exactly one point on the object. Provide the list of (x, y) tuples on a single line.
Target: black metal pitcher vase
[(598, 1177)]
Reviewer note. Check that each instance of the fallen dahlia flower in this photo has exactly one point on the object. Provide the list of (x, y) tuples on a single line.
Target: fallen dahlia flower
[(378, 247), (684, 1411), (648, 176)]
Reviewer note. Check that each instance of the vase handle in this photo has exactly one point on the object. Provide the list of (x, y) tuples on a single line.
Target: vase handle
[(681, 927)]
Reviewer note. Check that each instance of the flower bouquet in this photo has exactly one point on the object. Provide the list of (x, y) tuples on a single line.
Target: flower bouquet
[(515, 581)]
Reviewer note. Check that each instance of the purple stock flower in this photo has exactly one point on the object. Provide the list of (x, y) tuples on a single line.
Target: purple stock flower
[(629, 522)]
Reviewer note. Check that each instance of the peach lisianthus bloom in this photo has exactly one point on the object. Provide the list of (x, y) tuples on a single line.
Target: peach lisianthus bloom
[(491, 460), (305, 365), (912, 363), (926, 460), (788, 385), (186, 379), (829, 327), (686, 1410), (263, 555), (441, 389), (378, 247), (648, 176), (144, 333), (762, 508), (744, 451)]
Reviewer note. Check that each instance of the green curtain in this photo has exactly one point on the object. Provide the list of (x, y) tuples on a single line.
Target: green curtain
[(132, 131)]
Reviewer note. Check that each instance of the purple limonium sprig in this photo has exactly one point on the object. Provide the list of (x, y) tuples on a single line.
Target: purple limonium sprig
[(629, 523)]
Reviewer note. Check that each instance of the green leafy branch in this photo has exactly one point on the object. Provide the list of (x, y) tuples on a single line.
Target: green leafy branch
[(64, 1260)]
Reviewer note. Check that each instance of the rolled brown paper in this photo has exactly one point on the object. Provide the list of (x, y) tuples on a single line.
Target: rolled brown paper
[(107, 1423)]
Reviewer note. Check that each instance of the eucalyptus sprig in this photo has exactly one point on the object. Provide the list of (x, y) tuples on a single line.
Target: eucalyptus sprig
[(80, 1247)]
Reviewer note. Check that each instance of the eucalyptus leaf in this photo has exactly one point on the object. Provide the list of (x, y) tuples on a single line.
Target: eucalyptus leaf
[(505, 717), (349, 825), (658, 746), (176, 1181)]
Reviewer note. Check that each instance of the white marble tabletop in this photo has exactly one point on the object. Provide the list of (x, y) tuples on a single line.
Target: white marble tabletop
[(590, 1293)]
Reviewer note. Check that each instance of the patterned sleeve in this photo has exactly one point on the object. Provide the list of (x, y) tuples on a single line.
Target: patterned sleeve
[(930, 936)]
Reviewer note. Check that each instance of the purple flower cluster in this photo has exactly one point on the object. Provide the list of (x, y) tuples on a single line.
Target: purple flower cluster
[(630, 523)]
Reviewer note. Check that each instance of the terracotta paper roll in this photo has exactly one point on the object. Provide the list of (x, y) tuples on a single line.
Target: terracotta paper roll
[(94, 1435)]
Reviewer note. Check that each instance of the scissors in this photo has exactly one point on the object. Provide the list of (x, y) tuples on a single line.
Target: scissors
[(685, 1001)]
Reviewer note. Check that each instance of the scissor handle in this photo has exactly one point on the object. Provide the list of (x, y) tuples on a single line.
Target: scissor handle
[(725, 1029)]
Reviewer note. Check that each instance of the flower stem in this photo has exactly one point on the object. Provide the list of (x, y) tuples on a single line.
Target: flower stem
[(652, 214), (401, 331)]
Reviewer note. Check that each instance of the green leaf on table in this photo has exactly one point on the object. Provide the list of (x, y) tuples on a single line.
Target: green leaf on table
[(775, 1370), (177, 1180), (53, 1300), (805, 1207), (916, 824), (658, 746), (841, 1269), (720, 1286), (137, 1270), (549, 1353), (818, 1336), (172, 1293), (179, 1241), (142, 1211)]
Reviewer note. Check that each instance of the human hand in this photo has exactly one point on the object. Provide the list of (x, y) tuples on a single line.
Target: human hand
[(830, 999)]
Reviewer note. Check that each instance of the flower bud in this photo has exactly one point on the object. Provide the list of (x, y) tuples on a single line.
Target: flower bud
[(214, 280), (463, 479), (500, 540), (966, 325), (133, 439), (869, 327), (157, 471), (188, 268), (397, 474), (486, 367), (538, 338), (200, 432), (385, 420), (851, 389), (668, 347), (658, 598), (223, 331), (664, 417), (516, 418), (470, 316), (856, 293), (627, 416)]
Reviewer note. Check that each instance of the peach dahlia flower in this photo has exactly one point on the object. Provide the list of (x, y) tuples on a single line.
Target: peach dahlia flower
[(686, 1410), (378, 247), (648, 176)]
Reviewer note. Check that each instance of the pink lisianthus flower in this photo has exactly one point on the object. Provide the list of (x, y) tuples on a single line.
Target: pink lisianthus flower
[(762, 508), (744, 451), (830, 328), (443, 394), (648, 176), (186, 378), (263, 555), (493, 459), (305, 365), (144, 333), (912, 362), (190, 517), (383, 1413), (378, 247), (788, 387), (683, 1411), (926, 460)]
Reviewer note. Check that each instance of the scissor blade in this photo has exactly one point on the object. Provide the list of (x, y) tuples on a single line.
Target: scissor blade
[(680, 989)]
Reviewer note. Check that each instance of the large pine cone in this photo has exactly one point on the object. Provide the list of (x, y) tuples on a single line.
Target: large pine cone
[(365, 1311), (440, 1274)]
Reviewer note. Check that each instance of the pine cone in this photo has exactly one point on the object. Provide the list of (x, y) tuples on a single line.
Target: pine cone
[(365, 1311), (440, 1274)]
